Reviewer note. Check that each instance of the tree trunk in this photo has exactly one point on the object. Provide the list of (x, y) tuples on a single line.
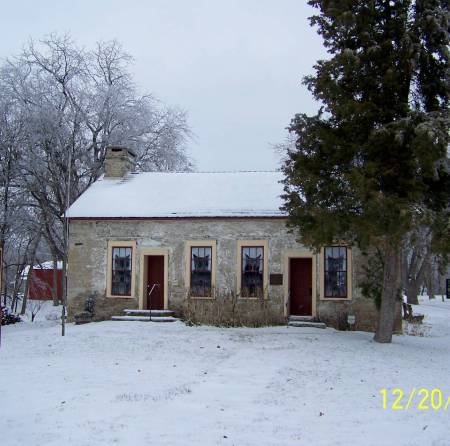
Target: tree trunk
[(27, 287), (412, 292), (417, 275), (390, 293), (429, 280), (31, 262)]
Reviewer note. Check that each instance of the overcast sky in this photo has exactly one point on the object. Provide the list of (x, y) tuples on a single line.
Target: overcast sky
[(234, 65)]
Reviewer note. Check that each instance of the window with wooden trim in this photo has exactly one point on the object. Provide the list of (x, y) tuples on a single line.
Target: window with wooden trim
[(335, 272), (252, 271), (201, 271), (121, 270)]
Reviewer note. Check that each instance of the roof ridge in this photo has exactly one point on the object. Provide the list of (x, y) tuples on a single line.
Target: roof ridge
[(213, 171)]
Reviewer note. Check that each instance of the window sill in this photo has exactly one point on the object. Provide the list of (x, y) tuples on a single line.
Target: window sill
[(252, 298), (202, 297), (112, 296)]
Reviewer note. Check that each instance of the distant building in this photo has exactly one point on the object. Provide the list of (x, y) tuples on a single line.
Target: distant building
[(42, 281)]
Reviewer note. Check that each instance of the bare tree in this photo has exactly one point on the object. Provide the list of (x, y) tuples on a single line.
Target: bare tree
[(416, 263), (60, 107)]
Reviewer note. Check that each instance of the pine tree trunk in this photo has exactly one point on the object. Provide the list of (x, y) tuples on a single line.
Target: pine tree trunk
[(389, 297)]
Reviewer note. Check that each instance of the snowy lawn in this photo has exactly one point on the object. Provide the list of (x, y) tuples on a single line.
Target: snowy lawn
[(132, 383)]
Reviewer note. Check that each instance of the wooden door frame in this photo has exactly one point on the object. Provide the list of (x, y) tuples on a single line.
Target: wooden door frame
[(146, 252), (299, 254)]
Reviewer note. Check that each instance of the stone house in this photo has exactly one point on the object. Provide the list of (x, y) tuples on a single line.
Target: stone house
[(208, 246)]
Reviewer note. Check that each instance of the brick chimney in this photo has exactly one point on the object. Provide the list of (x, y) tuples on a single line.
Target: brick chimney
[(118, 161)]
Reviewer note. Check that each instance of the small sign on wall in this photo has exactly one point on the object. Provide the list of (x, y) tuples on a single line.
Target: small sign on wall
[(276, 279)]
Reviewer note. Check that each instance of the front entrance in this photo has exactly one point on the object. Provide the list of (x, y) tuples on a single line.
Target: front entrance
[(155, 283), (300, 286)]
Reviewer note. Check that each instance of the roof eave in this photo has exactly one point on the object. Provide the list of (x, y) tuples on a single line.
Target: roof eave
[(188, 217)]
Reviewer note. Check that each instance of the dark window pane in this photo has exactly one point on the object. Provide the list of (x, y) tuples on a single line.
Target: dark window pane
[(252, 271), (121, 271), (335, 271), (201, 268)]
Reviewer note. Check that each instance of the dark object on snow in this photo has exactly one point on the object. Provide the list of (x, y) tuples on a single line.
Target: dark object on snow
[(7, 318), (409, 316), (83, 317), (87, 315), (447, 288)]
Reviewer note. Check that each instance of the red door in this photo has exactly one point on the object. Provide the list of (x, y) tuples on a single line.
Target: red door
[(300, 287), (155, 283)]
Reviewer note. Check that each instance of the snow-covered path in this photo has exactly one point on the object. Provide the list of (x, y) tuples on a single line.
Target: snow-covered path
[(137, 383)]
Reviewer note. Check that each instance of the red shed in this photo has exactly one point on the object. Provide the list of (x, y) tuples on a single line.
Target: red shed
[(42, 280)]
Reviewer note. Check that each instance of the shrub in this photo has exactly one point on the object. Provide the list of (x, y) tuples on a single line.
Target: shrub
[(7, 317), (228, 310)]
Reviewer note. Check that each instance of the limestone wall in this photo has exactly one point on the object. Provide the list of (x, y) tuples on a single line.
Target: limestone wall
[(88, 267)]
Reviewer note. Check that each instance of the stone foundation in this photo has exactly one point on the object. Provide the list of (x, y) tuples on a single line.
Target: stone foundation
[(104, 307)]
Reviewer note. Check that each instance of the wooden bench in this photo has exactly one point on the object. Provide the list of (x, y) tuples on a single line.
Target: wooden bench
[(409, 316)]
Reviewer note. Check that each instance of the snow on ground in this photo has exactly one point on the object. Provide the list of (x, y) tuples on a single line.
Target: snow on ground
[(44, 312), (135, 383)]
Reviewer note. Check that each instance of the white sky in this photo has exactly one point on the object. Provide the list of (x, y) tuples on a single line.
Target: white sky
[(235, 66)]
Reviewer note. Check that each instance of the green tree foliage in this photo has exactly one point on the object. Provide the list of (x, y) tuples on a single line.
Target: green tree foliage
[(371, 285), (373, 163)]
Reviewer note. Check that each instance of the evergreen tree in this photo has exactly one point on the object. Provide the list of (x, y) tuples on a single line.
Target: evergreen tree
[(373, 163)]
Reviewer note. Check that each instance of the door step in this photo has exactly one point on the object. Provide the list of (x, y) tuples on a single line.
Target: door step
[(305, 321), (306, 324), (293, 318), (146, 316), (153, 313)]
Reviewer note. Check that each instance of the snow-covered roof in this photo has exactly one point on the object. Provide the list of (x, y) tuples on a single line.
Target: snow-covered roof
[(49, 265), (182, 194)]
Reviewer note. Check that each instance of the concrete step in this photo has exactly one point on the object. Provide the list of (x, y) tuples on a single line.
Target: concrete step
[(154, 313), (301, 318), (307, 324), (145, 318)]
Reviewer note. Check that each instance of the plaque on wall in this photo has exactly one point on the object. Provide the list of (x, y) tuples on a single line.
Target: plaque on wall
[(276, 279)]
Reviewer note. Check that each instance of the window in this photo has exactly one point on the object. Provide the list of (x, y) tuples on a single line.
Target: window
[(121, 270), (201, 271), (252, 271), (335, 272), (200, 275)]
